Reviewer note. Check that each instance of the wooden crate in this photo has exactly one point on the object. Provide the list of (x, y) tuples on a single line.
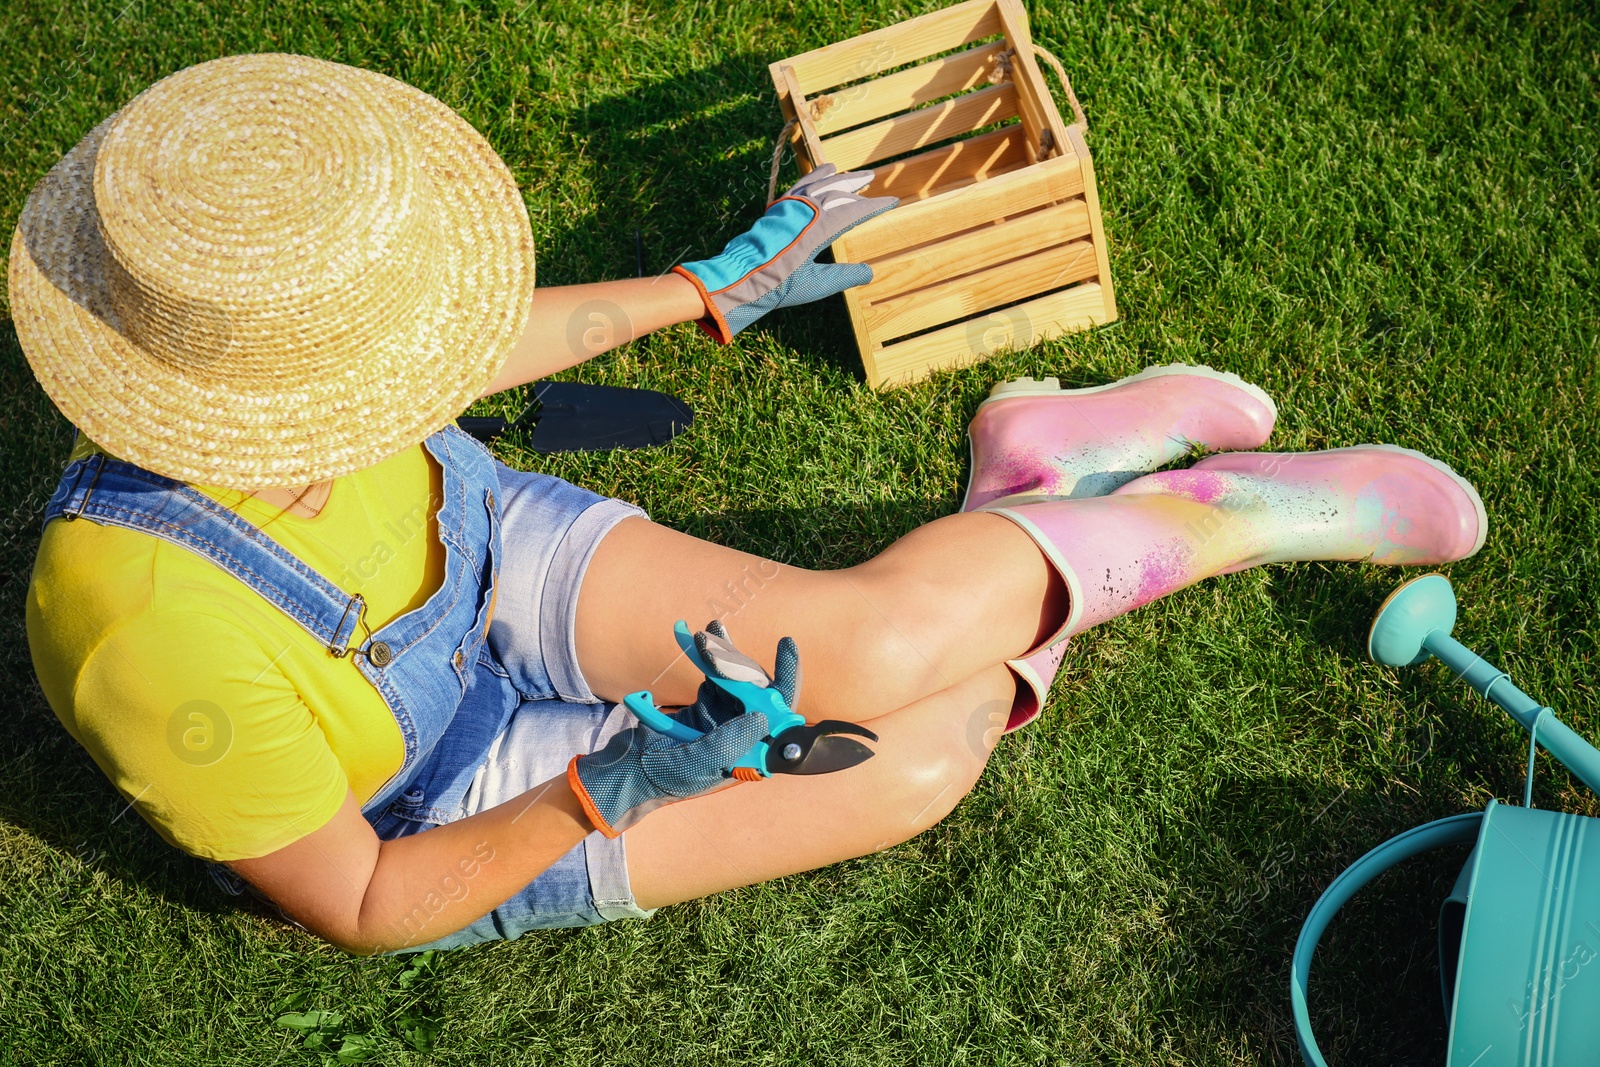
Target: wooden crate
[(997, 242)]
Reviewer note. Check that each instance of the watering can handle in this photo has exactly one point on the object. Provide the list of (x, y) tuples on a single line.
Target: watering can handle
[(1455, 830)]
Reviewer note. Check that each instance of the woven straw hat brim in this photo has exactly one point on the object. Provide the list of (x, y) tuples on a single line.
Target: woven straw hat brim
[(382, 361)]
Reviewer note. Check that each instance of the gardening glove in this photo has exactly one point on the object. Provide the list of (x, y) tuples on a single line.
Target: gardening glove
[(716, 705), (773, 264), (640, 770)]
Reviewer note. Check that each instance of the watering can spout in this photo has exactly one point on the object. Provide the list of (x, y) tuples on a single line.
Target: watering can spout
[(1414, 623), (1420, 609)]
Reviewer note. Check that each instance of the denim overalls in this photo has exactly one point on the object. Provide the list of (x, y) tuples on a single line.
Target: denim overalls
[(450, 694)]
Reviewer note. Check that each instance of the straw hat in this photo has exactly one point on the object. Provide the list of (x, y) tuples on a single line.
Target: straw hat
[(268, 270)]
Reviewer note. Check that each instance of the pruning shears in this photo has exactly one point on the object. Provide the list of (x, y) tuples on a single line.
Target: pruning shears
[(793, 747)]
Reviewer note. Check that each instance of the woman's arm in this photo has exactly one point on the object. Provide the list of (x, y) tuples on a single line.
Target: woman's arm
[(366, 895), (772, 265), (568, 324)]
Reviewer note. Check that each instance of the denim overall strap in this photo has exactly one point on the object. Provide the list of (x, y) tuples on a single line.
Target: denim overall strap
[(429, 673), (112, 492)]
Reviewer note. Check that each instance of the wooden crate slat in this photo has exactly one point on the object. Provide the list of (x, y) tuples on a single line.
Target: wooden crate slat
[(895, 46), (961, 298), (808, 130), (952, 166), (967, 342), (913, 130), (976, 250), (1097, 226), (858, 326), (1007, 194), (906, 89), (1034, 102)]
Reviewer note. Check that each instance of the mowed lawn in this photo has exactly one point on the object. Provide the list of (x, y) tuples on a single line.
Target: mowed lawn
[(1383, 213)]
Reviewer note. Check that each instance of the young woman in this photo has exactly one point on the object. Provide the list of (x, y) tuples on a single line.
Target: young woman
[(314, 633)]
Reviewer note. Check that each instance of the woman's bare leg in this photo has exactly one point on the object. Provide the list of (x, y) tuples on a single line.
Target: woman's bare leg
[(929, 755), (949, 599), (931, 620)]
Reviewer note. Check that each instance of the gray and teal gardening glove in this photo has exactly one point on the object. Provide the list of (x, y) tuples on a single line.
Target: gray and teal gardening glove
[(640, 770), (773, 264), (715, 705)]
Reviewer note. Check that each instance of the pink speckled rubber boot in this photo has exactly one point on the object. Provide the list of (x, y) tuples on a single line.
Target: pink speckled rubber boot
[(1379, 503), (1165, 531), (1034, 441)]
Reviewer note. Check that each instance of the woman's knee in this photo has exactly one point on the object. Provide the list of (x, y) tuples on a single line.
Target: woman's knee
[(927, 786), (870, 662)]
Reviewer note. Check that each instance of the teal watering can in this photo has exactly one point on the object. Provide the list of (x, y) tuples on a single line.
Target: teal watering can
[(1519, 935)]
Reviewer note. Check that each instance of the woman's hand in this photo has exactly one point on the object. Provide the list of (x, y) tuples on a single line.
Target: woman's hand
[(773, 264), (639, 770)]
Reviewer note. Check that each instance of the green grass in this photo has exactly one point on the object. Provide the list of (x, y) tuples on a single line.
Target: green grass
[(1386, 215)]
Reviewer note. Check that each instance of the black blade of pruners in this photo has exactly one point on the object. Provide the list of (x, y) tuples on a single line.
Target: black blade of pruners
[(574, 417), (818, 748)]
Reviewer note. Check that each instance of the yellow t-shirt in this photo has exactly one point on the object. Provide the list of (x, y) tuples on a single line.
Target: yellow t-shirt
[(228, 727)]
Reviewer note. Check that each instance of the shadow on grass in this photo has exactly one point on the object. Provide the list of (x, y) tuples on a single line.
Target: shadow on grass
[(660, 149), (819, 538), (1375, 986)]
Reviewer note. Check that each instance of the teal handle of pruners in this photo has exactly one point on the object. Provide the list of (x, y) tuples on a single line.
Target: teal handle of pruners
[(766, 700)]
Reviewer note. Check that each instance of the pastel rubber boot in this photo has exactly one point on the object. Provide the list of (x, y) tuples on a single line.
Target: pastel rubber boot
[(1380, 503), (1034, 441), (1148, 539), (1113, 554)]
